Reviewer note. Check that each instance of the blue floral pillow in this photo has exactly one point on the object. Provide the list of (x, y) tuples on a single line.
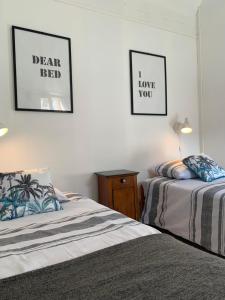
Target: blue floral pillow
[(24, 193), (205, 167)]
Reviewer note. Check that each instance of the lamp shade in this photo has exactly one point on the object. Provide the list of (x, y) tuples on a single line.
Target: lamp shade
[(3, 130), (186, 127)]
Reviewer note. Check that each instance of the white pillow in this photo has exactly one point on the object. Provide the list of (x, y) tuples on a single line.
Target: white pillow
[(60, 196), (67, 196)]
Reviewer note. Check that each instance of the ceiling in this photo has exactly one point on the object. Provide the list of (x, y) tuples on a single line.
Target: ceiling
[(172, 15), (182, 7)]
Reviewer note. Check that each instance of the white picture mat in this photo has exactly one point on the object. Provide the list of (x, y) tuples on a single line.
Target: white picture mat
[(36, 92), (152, 69)]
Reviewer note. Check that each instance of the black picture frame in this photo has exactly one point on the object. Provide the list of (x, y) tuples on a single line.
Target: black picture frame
[(132, 84), (14, 50)]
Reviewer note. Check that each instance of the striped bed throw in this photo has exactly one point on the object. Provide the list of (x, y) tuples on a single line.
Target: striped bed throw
[(192, 209)]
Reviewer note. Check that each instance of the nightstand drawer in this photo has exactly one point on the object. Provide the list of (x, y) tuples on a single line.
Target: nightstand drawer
[(122, 182)]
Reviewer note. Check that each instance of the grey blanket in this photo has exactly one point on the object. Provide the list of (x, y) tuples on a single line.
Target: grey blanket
[(152, 267)]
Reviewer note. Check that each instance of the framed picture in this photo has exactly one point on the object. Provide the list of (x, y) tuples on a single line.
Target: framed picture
[(42, 71), (148, 84)]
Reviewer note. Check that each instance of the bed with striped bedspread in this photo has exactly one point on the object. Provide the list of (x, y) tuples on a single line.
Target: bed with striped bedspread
[(82, 227), (87, 251), (192, 209)]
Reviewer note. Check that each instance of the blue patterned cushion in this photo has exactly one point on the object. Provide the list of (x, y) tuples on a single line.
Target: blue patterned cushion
[(23, 194), (205, 167)]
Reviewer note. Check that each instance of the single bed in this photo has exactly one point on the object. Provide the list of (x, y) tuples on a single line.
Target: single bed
[(87, 251), (191, 209)]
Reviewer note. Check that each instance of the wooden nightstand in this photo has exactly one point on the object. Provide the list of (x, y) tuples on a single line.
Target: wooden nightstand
[(118, 190)]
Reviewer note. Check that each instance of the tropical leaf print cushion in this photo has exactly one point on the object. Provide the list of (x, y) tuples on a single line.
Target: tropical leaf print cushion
[(23, 193), (205, 167)]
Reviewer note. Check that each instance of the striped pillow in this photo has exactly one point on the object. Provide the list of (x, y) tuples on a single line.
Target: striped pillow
[(175, 169)]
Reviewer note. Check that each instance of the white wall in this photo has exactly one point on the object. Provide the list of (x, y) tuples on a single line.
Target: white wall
[(212, 77), (102, 134)]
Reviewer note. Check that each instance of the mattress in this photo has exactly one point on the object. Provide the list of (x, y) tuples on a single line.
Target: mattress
[(192, 209), (82, 227)]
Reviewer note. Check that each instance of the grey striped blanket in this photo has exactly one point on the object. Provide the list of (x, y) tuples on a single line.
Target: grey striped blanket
[(192, 209)]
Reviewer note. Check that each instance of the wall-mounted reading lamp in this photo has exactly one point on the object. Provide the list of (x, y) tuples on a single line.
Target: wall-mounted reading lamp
[(182, 128), (3, 130)]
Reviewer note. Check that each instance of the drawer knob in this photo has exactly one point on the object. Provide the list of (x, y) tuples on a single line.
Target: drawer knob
[(123, 180)]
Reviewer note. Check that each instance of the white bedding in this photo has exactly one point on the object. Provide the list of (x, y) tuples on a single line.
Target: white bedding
[(84, 226)]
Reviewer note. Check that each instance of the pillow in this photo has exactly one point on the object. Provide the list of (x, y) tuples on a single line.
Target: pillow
[(23, 193), (174, 169), (64, 197), (60, 196), (205, 167)]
